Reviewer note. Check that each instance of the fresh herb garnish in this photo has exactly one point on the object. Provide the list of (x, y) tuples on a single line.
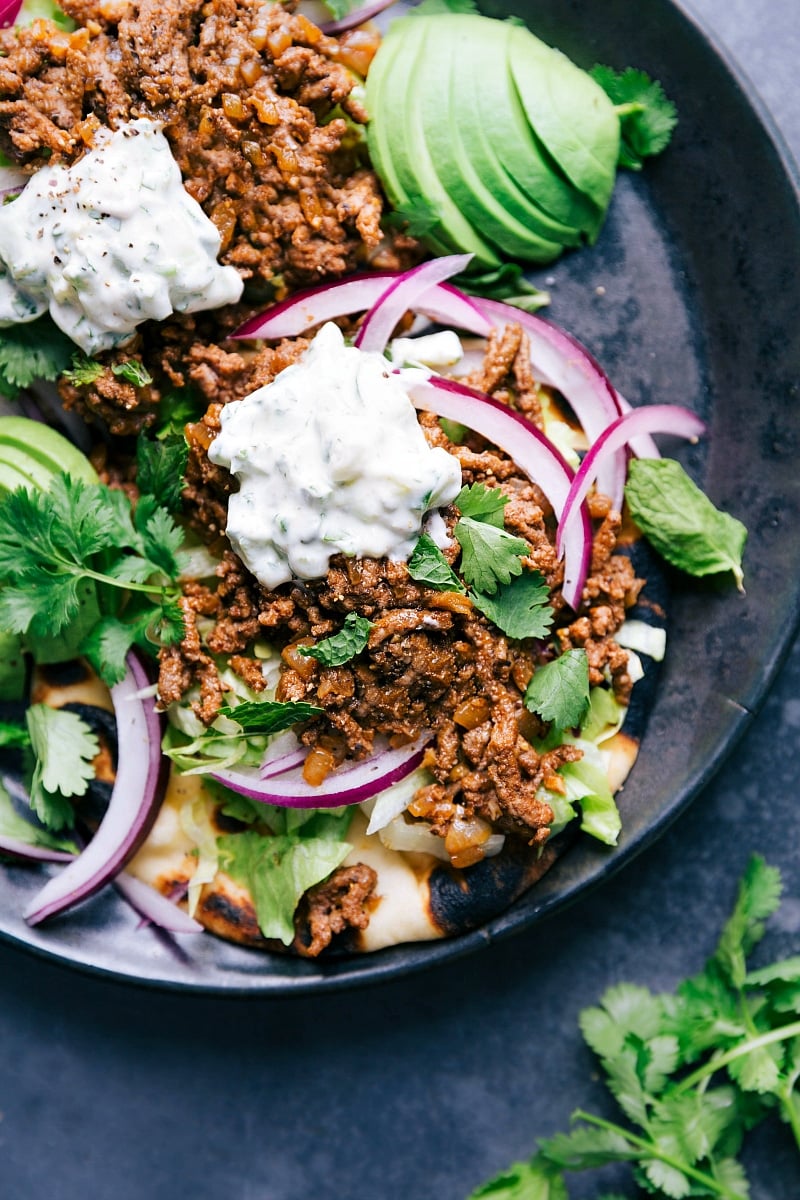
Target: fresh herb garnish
[(482, 504), (14, 736), (428, 565), (647, 117), (268, 716), (559, 691), (660, 1055), (132, 370), (160, 468), (176, 410), (520, 608), (342, 646), (64, 747), (489, 556), (83, 370), (35, 350), (78, 549), (680, 522)]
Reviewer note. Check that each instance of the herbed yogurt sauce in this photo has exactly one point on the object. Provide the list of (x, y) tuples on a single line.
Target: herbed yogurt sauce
[(330, 460), (110, 242)]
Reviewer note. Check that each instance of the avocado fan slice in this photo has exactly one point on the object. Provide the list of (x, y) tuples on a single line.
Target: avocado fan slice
[(569, 112), (505, 148), (35, 474), (24, 441), (396, 130), (443, 130)]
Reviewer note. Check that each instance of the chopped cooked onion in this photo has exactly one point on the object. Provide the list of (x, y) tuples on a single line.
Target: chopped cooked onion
[(358, 16), (402, 294), (654, 418), (138, 790), (346, 785), (522, 442), (304, 310)]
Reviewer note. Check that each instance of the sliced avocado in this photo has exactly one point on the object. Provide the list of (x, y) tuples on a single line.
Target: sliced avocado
[(442, 125), (11, 479), (35, 474), (506, 151), (569, 112), (45, 446), (396, 141)]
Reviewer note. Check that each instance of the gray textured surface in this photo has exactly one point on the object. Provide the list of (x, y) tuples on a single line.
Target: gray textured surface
[(426, 1086)]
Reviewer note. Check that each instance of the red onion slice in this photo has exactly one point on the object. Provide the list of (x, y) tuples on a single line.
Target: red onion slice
[(347, 785), (521, 441), (654, 418), (153, 907), (141, 781), (642, 446), (304, 310), (403, 294), (283, 755), (559, 360), (358, 16), (38, 854), (9, 11)]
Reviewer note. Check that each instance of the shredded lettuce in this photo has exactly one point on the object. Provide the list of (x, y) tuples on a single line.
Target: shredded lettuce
[(33, 10), (644, 638)]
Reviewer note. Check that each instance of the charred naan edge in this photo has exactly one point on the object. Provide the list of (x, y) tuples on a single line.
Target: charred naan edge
[(417, 897)]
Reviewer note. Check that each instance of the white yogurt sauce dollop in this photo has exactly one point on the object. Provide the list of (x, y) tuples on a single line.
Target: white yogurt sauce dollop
[(330, 460), (110, 242)]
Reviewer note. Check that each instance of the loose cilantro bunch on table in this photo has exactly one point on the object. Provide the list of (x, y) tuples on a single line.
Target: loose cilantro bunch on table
[(692, 1071)]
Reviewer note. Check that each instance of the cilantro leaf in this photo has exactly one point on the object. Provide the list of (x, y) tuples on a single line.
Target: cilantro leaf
[(278, 871), (489, 556), (35, 350), (647, 117), (507, 283), (64, 747), (132, 370), (759, 896), (160, 468), (83, 370), (269, 716), (342, 646), (482, 504), (176, 410), (416, 217), (679, 520), (534, 1180), (14, 736), (106, 648), (428, 565), (559, 691), (520, 608)]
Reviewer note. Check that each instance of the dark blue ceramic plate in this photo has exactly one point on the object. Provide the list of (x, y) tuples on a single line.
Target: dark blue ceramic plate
[(691, 295)]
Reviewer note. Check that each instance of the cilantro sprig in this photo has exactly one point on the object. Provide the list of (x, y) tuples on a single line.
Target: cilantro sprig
[(517, 601), (692, 1071), (79, 558), (559, 691), (647, 117)]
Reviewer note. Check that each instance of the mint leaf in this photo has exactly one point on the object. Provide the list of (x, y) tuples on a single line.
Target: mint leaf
[(35, 350), (647, 117), (520, 608), (132, 370), (559, 691), (679, 520), (64, 747), (160, 468), (277, 871), (428, 565), (482, 504), (269, 716), (489, 556), (338, 649)]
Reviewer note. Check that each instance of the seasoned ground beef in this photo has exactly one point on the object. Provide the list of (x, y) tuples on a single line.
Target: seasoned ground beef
[(340, 903), (432, 662), (256, 104)]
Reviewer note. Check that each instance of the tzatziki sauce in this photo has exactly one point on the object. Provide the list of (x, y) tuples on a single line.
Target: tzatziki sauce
[(110, 242), (330, 459)]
